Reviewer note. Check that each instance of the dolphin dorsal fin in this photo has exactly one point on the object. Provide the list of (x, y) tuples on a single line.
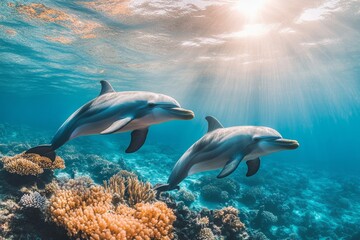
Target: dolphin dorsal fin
[(213, 123), (106, 87)]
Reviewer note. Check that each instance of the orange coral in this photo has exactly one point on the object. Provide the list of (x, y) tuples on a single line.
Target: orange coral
[(126, 188), (88, 213), (31, 164)]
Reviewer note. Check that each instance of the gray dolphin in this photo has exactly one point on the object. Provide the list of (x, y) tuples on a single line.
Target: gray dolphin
[(114, 112), (225, 148)]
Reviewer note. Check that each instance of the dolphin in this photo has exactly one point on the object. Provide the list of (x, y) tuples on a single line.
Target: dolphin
[(225, 148), (114, 112)]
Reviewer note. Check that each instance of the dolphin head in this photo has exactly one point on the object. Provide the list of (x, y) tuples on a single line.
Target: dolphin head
[(165, 108), (268, 140)]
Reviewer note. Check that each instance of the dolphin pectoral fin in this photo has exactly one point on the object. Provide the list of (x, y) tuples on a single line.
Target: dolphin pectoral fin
[(105, 87), (138, 138), (117, 125), (213, 123), (253, 166), (230, 166)]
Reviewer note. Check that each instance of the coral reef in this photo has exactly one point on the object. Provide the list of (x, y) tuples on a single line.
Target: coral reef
[(219, 224), (30, 164), (7, 214), (229, 220), (33, 200), (126, 188), (307, 204), (206, 234), (216, 190), (186, 196), (88, 212), (264, 219)]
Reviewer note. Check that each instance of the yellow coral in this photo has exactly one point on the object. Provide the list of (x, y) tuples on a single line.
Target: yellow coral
[(31, 164), (23, 167), (88, 213), (127, 188)]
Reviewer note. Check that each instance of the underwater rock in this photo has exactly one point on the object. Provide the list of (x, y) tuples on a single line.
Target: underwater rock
[(216, 190), (251, 195), (7, 213), (186, 226), (17, 223), (186, 196), (224, 223), (264, 219), (213, 194), (276, 203), (257, 235)]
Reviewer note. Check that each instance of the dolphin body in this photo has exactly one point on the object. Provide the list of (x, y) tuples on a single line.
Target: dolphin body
[(225, 148), (114, 112)]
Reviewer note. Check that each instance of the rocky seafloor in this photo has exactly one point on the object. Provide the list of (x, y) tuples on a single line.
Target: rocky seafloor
[(283, 202)]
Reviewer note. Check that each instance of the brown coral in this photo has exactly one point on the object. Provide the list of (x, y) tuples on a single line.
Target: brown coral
[(126, 188), (228, 217), (8, 209), (31, 164), (206, 234), (51, 188), (87, 212)]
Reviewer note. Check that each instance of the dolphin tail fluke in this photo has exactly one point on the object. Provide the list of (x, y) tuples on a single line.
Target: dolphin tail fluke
[(44, 151), (165, 187)]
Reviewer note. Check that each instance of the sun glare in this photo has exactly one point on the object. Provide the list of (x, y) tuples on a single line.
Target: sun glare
[(250, 8)]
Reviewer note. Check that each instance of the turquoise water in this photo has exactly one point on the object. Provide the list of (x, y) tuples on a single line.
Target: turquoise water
[(292, 66)]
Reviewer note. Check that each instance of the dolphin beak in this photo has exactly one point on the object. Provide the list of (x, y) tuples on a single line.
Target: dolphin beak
[(287, 143), (181, 113)]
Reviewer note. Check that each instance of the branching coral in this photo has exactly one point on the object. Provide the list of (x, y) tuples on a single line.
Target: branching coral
[(229, 220), (51, 188), (33, 200), (88, 212), (126, 188), (31, 164), (206, 234)]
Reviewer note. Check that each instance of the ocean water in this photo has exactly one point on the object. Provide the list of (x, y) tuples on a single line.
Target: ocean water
[(289, 65)]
